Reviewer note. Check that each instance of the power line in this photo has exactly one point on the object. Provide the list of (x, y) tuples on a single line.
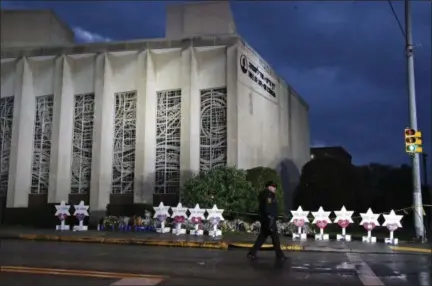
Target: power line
[(397, 19)]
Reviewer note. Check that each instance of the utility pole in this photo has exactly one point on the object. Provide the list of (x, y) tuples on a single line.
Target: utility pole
[(427, 188), (417, 195), (425, 174)]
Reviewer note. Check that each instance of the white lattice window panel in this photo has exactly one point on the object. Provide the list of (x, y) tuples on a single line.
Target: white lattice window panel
[(42, 144), (124, 143), (6, 119), (168, 123), (213, 133), (82, 143)]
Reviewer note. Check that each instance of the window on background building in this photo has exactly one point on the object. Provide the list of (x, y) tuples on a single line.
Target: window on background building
[(6, 120), (168, 124), (42, 144), (213, 133), (82, 143), (124, 143)]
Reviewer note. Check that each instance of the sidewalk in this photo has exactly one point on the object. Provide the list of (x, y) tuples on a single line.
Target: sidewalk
[(228, 241)]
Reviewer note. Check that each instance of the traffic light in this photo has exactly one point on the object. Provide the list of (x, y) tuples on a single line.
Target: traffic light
[(413, 141)]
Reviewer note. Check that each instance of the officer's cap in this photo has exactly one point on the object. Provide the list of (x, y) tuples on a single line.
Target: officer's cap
[(271, 184)]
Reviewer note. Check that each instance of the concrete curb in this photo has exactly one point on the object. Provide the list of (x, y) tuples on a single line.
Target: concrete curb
[(411, 249), (125, 241), (222, 245)]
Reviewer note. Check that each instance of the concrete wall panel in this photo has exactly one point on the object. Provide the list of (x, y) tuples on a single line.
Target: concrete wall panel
[(83, 73), (232, 108), (142, 194), (8, 68), (185, 147), (150, 125), (43, 74), (101, 178), (124, 69), (212, 64), (62, 130), (258, 112), (20, 166), (299, 132), (168, 69)]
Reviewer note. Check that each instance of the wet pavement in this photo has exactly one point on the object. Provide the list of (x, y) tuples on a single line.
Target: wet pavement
[(188, 266)]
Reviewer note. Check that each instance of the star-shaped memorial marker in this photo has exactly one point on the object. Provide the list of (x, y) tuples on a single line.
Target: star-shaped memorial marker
[(343, 217), (321, 218), (179, 213), (299, 217), (62, 210), (215, 215), (197, 214), (161, 212), (369, 220), (81, 210), (392, 221)]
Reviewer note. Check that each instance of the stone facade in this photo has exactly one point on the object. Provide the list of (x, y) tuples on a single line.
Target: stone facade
[(129, 122)]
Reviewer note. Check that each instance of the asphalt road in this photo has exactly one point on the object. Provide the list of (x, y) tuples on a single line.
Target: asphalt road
[(186, 266)]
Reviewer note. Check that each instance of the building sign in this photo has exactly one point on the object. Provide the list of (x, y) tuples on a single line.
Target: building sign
[(258, 75)]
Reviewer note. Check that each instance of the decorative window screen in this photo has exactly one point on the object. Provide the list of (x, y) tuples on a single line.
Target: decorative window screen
[(42, 144), (124, 143), (168, 123), (6, 119), (82, 143), (213, 134)]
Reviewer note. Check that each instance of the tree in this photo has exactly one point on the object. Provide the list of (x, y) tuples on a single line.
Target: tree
[(226, 187), (258, 177), (329, 183)]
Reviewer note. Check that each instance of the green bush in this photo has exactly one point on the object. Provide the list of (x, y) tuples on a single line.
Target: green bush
[(227, 187), (258, 177)]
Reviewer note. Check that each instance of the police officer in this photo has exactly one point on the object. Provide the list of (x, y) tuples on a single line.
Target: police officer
[(267, 212)]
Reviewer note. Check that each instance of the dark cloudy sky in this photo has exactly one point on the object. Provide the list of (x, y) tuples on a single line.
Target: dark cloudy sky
[(346, 58)]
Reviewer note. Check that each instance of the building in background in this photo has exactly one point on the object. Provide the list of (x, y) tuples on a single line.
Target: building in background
[(129, 122), (335, 152)]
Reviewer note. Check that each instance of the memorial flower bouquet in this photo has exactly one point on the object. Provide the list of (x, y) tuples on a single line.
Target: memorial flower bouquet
[(288, 228), (179, 219), (111, 222), (256, 227)]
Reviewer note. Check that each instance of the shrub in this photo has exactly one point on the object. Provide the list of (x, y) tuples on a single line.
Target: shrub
[(227, 187), (258, 177)]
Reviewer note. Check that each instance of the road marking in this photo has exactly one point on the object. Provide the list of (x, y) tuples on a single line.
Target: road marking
[(365, 273), (138, 282), (286, 247), (82, 273), (411, 249)]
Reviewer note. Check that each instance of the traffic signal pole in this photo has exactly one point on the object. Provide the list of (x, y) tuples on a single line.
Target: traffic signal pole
[(417, 195)]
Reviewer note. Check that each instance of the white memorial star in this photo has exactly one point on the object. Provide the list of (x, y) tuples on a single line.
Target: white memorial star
[(343, 217), (161, 211), (81, 209), (369, 218), (179, 211), (215, 214), (392, 220), (197, 213), (299, 216), (322, 216), (62, 209)]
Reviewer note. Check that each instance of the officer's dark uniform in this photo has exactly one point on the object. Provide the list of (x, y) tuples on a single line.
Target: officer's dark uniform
[(267, 212)]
